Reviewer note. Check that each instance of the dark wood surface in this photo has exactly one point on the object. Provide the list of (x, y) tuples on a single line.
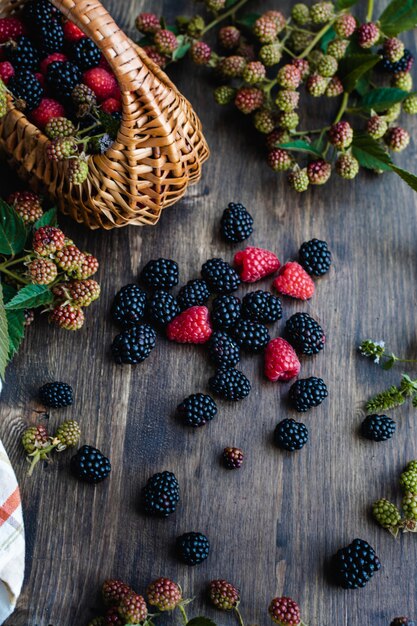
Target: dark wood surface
[(273, 524)]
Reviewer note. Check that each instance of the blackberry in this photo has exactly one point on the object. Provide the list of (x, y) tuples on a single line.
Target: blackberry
[(22, 54), (197, 409), (134, 345), (261, 306), (56, 395), (128, 306), (50, 38), (223, 350), (62, 78), (230, 384), (225, 312), (403, 65), (315, 257), (236, 223), (304, 334), (355, 564), (290, 435), (161, 494), (402, 621), (378, 427), (195, 292), (306, 393), (220, 276), (251, 336), (160, 274), (90, 465), (85, 53), (39, 12), (162, 308), (26, 89), (232, 458), (193, 548)]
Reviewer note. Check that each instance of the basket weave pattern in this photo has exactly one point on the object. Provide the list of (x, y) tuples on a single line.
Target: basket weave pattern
[(159, 149)]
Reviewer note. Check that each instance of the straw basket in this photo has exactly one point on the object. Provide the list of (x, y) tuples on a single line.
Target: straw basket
[(159, 149)]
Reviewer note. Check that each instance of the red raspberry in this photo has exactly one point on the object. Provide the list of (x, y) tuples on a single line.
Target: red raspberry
[(69, 258), (223, 595), (101, 82), (26, 204), (132, 609), (281, 361), (284, 612), (47, 240), (113, 591), (397, 139), (368, 35), (83, 292), (249, 99), (42, 271), (67, 316), (289, 76), (200, 53), (319, 172), (294, 281), (255, 263), (88, 267), (72, 33), (164, 594), (165, 41), (280, 160), (111, 105), (10, 28), (148, 23), (345, 26), (303, 66), (46, 111), (341, 135), (6, 71), (232, 458), (229, 37), (155, 56), (191, 326)]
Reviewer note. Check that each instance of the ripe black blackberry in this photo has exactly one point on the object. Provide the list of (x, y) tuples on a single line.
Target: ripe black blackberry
[(220, 276), (315, 257), (194, 293), (402, 621), (193, 548), (134, 345), (162, 308), (236, 223), (230, 384), (306, 393), (160, 274), (290, 435), (50, 38), (261, 306), (378, 427), (26, 89), (22, 54), (39, 12), (223, 350), (251, 336), (61, 78), (197, 409), (90, 465), (161, 494), (225, 312), (355, 564), (85, 53), (304, 334), (403, 65), (56, 395), (128, 306)]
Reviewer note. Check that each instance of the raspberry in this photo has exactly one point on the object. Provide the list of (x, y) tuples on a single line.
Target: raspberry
[(224, 94), (72, 32), (162, 308), (254, 72), (347, 166), (6, 71), (77, 171), (101, 82), (191, 326), (345, 25), (287, 100), (161, 494), (61, 78), (26, 204), (288, 120), (67, 316), (251, 336), (230, 384), (159, 59), (270, 54), (89, 266), (90, 465), (113, 591), (47, 240), (294, 281), (355, 564), (307, 393), (83, 292), (393, 49), (229, 37), (164, 594), (165, 41), (280, 160), (193, 548), (387, 515), (69, 434), (225, 311), (376, 126), (249, 99), (160, 274), (132, 609), (194, 293), (47, 110), (35, 438), (223, 350), (56, 395), (303, 67), (134, 345), (232, 458), (410, 104), (10, 28), (341, 135), (281, 361), (233, 66), (397, 139), (315, 257), (200, 53), (223, 595), (197, 409), (285, 611), (378, 427), (128, 306), (61, 149), (337, 48), (261, 306), (289, 76), (26, 89), (300, 13), (316, 85), (368, 35), (220, 276), (304, 334), (42, 271), (254, 264), (265, 29), (327, 66), (69, 258), (236, 223), (319, 172), (402, 80), (409, 505), (148, 23), (321, 12)]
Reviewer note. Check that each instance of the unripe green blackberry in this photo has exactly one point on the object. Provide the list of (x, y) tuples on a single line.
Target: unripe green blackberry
[(387, 515), (402, 80), (229, 37), (410, 104), (321, 12), (337, 48), (35, 438), (265, 29), (393, 49), (69, 258), (69, 434), (165, 41), (277, 137), (303, 67), (397, 139), (61, 148), (278, 18), (376, 126), (288, 120), (59, 127), (200, 53), (249, 99), (368, 35), (77, 171), (280, 160), (393, 112), (299, 40), (289, 76), (215, 5), (270, 54), (408, 482), (224, 94), (412, 466), (341, 135), (327, 66), (254, 72), (409, 505), (232, 67), (287, 100), (42, 271), (318, 172), (347, 166), (263, 121), (316, 85), (195, 26), (345, 25), (164, 594), (334, 88), (298, 180), (300, 13)]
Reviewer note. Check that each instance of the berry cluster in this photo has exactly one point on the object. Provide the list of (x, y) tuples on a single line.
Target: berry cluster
[(388, 515)]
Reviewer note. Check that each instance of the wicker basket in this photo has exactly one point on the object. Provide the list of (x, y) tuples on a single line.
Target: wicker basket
[(159, 148)]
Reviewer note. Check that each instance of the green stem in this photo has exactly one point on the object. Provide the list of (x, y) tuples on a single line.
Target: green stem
[(224, 16), (316, 39), (184, 614), (239, 617), (15, 262), (87, 130), (342, 108), (289, 52), (17, 277), (315, 131), (370, 10)]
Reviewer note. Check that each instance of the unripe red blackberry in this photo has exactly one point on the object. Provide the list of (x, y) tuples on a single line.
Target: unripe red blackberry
[(200, 53), (47, 240), (288, 120), (83, 292), (278, 18), (319, 172), (35, 438), (85, 98), (164, 593), (270, 54), (284, 612), (393, 112), (287, 100), (61, 148), (376, 126), (215, 5), (277, 137), (229, 37), (337, 48), (393, 49), (289, 76), (254, 72), (224, 94), (327, 66), (59, 127), (321, 12), (42, 271), (67, 316), (148, 23), (300, 13), (316, 85), (397, 139), (410, 104), (334, 88), (280, 160), (233, 66), (368, 34), (347, 166), (249, 99), (113, 591), (26, 204), (298, 180), (232, 458), (303, 67), (88, 267), (263, 121), (341, 135), (402, 80), (132, 609), (77, 171), (265, 29), (345, 25), (165, 41), (159, 59), (223, 595), (69, 258)]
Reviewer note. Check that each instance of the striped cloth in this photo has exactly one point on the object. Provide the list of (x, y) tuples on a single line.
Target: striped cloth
[(12, 538)]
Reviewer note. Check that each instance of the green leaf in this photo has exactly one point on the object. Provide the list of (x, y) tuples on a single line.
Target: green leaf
[(200, 621), (248, 20), (30, 296), (408, 177), (328, 36), (9, 292), (13, 233), (16, 327), (49, 218), (382, 98), (4, 337), (230, 3), (352, 67), (110, 124), (388, 363), (400, 15), (345, 4), (181, 51), (369, 153), (362, 86), (300, 146), (145, 41)]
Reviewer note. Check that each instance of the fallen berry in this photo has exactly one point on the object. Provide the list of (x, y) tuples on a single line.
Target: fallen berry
[(191, 326), (294, 281), (255, 263), (281, 361)]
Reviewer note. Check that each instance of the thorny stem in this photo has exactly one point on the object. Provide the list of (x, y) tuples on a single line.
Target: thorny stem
[(223, 16), (370, 10), (184, 614), (316, 39), (239, 616)]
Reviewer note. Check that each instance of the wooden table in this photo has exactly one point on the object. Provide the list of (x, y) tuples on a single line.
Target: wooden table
[(274, 523)]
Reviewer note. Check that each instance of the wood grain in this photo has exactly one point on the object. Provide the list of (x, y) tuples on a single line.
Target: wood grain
[(274, 523)]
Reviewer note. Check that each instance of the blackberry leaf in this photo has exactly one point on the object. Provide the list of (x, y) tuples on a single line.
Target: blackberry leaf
[(13, 233), (382, 98), (49, 218), (399, 16), (30, 296)]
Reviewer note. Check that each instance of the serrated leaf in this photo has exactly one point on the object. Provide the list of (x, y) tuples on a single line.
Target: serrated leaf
[(408, 177), (16, 328), (9, 292), (345, 4), (200, 621), (13, 233), (248, 20), (399, 16), (49, 218), (369, 153), (300, 146), (328, 36), (362, 86), (30, 296), (181, 51), (382, 98), (352, 67), (4, 337)]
